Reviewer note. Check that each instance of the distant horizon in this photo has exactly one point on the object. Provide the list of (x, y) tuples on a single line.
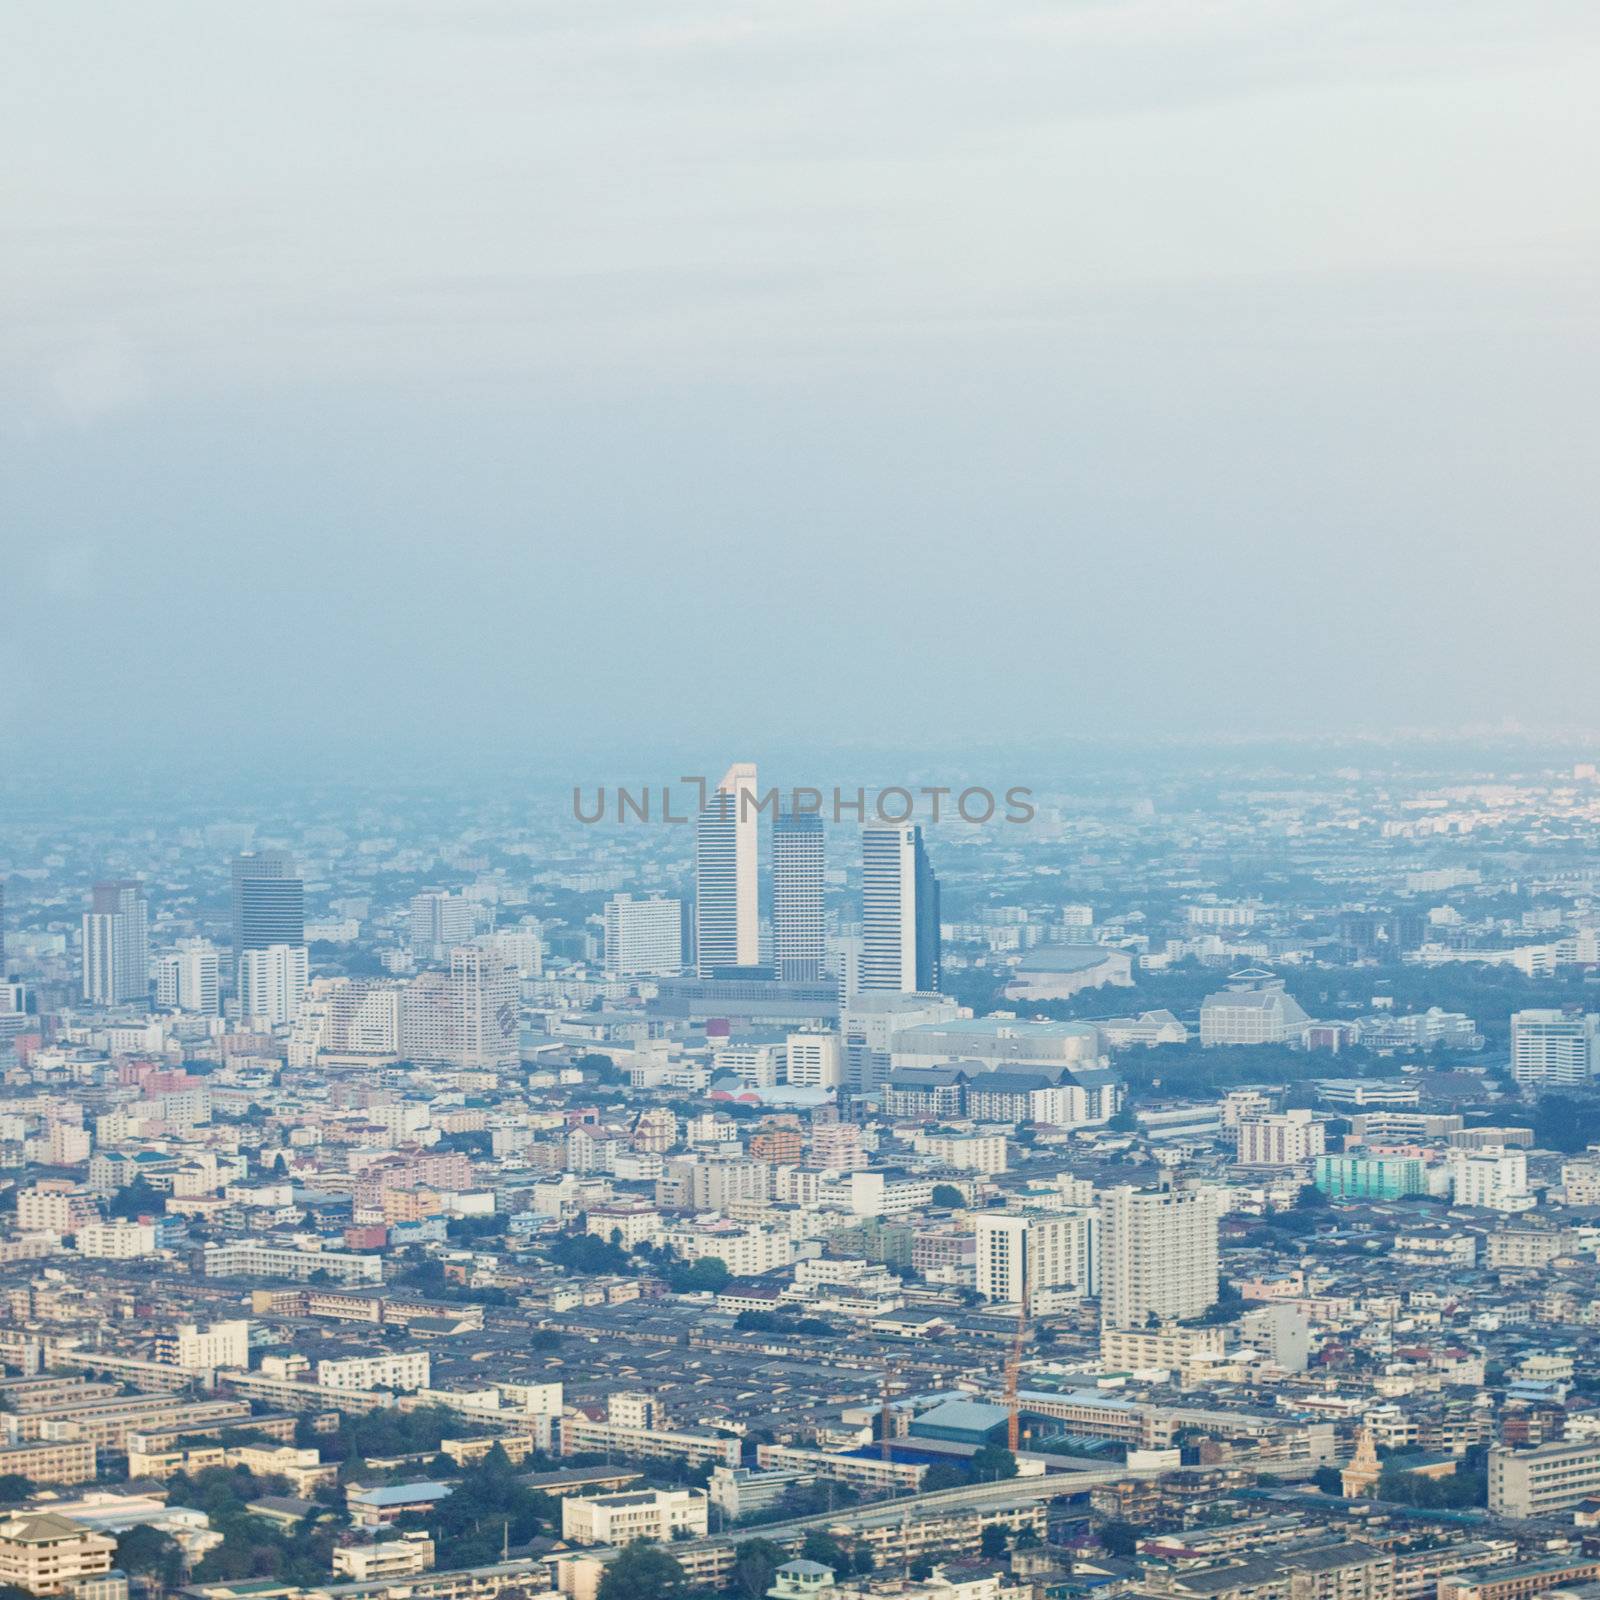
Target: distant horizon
[(637, 378)]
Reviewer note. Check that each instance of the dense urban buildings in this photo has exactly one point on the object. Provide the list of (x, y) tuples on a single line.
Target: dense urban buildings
[(477, 1232)]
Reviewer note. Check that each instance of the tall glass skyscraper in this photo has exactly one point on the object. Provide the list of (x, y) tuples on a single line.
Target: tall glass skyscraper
[(269, 901), (798, 944)]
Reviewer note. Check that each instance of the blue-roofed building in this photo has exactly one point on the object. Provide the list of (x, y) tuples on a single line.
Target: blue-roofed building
[(386, 1502), (973, 1422)]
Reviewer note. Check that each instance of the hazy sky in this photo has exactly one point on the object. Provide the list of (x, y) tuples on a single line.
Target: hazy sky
[(582, 372)]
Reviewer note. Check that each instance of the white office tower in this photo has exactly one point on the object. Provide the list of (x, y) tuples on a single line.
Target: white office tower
[(644, 938), (1034, 1254), (1493, 1178), (816, 1061), (798, 864), (188, 978), (466, 1017), (439, 922), (727, 923), (899, 913), (1158, 1255), (272, 983), (116, 945), (1554, 1047)]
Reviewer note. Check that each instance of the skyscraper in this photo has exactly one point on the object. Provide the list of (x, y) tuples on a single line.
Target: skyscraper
[(899, 912), (269, 901), (798, 941), (726, 908), (116, 944), (466, 1017), (1158, 1255)]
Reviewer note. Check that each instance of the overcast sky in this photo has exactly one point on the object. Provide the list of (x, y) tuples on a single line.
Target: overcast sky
[(589, 373)]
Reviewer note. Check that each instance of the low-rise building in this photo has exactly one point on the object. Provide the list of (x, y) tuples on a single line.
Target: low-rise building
[(45, 1554), (1550, 1477), (659, 1514)]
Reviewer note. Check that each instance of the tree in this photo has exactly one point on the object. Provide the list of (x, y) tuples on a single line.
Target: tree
[(824, 1549), (491, 1507), (992, 1463), (138, 1199), (588, 1253), (709, 1273), (602, 1068), (1327, 1479), (754, 1563), (13, 1487), (948, 1196), (992, 1542), (1120, 1538), (942, 1475), (642, 1572), (149, 1553)]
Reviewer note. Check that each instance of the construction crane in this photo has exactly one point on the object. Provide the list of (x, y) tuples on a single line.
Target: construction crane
[(1014, 1360), (884, 1423)]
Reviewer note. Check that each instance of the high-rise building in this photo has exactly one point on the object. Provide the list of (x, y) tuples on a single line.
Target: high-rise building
[(269, 901), (347, 1016), (727, 924), (187, 979), (272, 983), (116, 944), (1494, 1178), (1355, 1177), (1158, 1255), (440, 922), (1021, 1255), (1554, 1047), (644, 938), (899, 912), (798, 939), (1280, 1139), (466, 1017)]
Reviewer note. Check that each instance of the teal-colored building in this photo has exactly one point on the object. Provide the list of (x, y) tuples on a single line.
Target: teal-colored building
[(1369, 1177)]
